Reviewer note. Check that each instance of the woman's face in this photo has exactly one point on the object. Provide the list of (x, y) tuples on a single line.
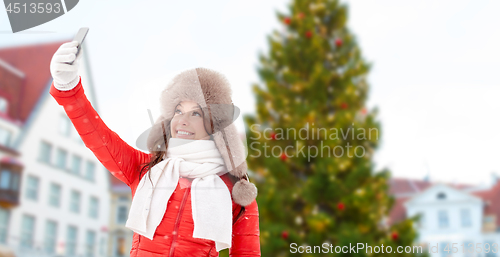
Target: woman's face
[(187, 122)]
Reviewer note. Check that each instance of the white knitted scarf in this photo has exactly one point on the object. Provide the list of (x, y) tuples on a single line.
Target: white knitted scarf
[(210, 198)]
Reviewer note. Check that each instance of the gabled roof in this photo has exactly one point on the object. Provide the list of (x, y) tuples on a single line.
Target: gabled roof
[(492, 200), (402, 186), (25, 74), (30, 66)]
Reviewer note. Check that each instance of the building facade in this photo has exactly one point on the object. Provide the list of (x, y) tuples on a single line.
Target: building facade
[(455, 220), (63, 190)]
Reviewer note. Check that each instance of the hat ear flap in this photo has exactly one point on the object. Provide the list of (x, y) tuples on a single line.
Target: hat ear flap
[(232, 150)]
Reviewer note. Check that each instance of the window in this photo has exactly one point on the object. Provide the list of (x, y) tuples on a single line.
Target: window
[(50, 238), (103, 247), (5, 179), (61, 158), (15, 181), (27, 231), (121, 215), (94, 207), (490, 248), (445, 249), (468, 249), (3, 105), (75, 136), (75, 167), (74, 205), (55, 195), (90, 249), (64, 125), (45, 152), (465, 217), (488, 219), (71, 241), (443, 219), (5, 136), (4, 225), (441, 195), (89, 174), (32, 184)]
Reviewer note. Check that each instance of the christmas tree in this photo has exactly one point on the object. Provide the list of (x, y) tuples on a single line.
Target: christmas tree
[(312, 140)]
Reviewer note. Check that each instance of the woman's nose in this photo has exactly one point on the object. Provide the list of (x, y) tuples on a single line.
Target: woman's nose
[(184, 120)]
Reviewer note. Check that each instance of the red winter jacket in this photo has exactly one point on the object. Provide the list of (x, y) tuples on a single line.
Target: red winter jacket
[(173, 237)]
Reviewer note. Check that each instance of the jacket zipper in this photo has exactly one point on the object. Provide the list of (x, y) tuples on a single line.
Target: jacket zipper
[(138, 243), (177, 221)]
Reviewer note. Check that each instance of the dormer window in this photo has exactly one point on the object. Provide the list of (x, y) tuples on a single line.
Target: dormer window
[(441, 196), (3, 105)]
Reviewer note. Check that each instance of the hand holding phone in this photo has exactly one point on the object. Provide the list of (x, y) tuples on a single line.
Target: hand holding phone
[(63, 68), (80, 36)]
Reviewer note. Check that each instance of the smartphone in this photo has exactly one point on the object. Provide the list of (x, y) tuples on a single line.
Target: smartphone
[(80, 36)]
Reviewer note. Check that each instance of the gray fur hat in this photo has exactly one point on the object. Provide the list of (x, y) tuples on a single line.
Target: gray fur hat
[(212, 91)]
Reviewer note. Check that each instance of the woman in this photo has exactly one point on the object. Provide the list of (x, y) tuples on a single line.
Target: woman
[(191, 194)]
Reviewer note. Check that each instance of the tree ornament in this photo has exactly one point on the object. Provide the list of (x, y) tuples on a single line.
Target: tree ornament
[(308, 34), (284, 234), (338, 42), (394, 235), (287, 20), (301, 15), (283, 157), (341, 206), (273, 135), (363, 111), (343, 105)]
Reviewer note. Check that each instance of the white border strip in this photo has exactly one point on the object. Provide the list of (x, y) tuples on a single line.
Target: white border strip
[(12, 69), (64, 6)]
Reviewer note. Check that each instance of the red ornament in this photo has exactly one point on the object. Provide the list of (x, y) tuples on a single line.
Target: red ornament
[(283, 157), (341, 206), (273, 136), (287, 20), (343, 105), (363, 111), (284, 234), (394, 235), (338, 42), (301, 15), (309, 34)]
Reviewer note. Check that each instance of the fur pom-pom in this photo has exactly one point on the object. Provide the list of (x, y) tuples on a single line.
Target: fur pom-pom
[(244, 192)]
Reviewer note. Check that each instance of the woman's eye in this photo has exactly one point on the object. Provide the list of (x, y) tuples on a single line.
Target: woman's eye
[(197, 113), (177, 111)]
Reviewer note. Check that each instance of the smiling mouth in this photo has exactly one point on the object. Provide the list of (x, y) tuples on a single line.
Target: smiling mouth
[(182, 132)]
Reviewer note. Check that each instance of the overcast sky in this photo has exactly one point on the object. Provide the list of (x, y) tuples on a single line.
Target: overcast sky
[(434, 76)]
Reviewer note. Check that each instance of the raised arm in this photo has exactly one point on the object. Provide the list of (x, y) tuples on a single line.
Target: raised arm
[(246, 235), (116, 155)]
